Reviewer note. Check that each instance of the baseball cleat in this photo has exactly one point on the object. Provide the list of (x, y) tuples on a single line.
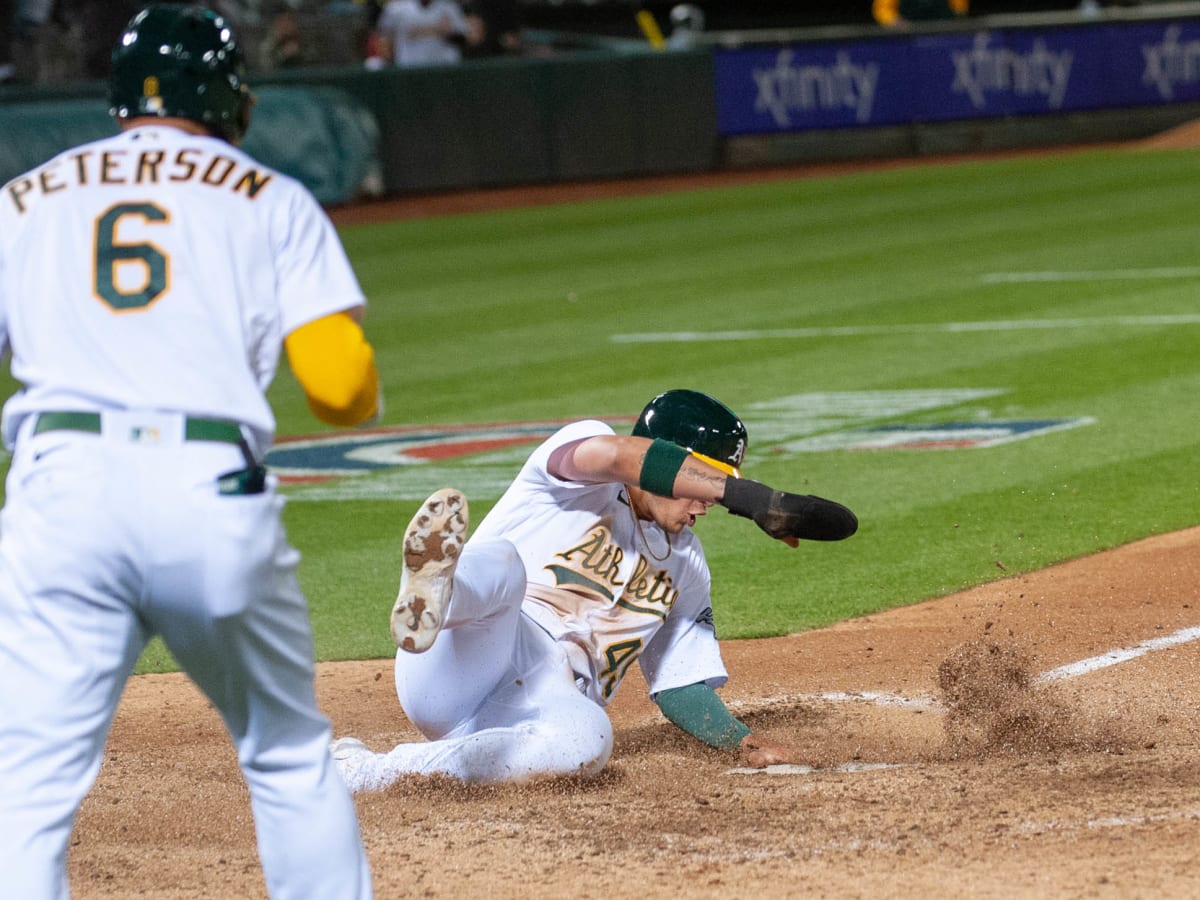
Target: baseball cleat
[(345, 747), (433, 543), (353, 761)]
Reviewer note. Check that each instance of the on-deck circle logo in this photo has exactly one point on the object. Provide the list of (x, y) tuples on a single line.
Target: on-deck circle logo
[(315, 459), (784, 426)]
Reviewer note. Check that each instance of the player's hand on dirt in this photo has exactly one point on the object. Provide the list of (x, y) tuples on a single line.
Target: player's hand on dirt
[(759, 752), (788, 517)]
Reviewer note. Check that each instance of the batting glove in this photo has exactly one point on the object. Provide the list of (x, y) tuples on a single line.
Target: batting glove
[(783, 515)]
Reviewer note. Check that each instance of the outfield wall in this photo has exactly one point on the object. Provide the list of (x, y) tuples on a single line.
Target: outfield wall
[(970, 85), (621, 109)]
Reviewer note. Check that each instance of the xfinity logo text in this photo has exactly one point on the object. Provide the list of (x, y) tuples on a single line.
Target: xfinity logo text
[(984, 69), (1170, 63), (843, 85)]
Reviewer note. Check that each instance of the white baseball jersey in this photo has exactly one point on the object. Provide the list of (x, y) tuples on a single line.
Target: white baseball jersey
[(134, 312), (402, 21), (607, 594), (147, 280)]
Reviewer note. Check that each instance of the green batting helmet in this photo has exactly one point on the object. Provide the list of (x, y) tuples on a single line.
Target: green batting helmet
[(178, 60), (698, 423)]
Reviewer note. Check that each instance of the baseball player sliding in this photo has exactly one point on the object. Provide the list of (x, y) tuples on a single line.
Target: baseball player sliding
[(147, 282), (511, 644)]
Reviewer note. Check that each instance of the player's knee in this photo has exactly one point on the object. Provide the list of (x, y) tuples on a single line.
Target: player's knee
[(594, 762), (585, 744), (492, 568)]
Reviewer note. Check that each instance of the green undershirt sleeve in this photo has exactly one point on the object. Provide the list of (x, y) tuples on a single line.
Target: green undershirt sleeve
[(698, 710)]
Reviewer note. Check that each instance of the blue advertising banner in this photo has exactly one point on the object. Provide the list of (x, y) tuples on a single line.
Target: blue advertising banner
[(1009, 72), (1157, 64), (956, 75), (804, 86)]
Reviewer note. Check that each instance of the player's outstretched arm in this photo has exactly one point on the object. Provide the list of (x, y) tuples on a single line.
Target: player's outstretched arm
[(621, 459), (657, 466), (663, 468)]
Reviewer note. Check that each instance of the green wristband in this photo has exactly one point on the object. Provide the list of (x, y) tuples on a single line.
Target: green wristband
[(701, 713), (661, 464)]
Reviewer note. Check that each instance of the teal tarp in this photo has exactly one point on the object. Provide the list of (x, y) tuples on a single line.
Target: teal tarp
[(319, 135)]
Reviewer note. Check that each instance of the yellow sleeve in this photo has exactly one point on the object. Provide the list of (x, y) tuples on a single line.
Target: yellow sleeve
[(886, 12), (335, 365)]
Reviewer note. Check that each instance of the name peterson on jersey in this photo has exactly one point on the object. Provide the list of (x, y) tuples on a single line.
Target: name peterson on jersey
[(128, 167)]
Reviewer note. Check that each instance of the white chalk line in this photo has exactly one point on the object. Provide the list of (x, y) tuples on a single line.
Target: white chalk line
[(757, 334), (790, 769), (1092, 275), (921, 704), (1182, 815), (1112, 657)]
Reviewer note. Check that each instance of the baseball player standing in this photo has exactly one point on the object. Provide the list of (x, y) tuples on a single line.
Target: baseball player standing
[(511, 645), (147, 282)]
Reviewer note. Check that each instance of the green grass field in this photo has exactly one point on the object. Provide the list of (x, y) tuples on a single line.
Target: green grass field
[(1057, 290)]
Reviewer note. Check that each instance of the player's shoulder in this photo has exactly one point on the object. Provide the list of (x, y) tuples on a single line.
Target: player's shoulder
[(569, 434), (536, 468), (582, 428)]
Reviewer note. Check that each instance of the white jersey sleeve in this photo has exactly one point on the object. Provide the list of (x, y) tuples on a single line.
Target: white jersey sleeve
[(314, 272), (685, 650)]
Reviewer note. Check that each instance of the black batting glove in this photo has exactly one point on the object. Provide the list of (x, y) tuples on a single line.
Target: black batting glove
[(783, 515)]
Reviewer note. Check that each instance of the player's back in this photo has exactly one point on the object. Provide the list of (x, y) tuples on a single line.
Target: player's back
[(139, 271)]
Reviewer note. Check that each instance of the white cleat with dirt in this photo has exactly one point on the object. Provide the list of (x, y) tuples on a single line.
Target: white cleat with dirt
[(346, 747), (432, 546), (354, 762)]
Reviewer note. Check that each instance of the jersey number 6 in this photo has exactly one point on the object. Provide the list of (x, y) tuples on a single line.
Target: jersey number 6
[(112, 257)]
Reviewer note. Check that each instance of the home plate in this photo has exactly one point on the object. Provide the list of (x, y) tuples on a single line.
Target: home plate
[(790, 769)]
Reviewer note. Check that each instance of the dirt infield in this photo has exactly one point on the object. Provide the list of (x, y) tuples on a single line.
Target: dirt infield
[(993, 743), (945, 767)]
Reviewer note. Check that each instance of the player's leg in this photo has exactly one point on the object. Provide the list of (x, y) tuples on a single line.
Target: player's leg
[(565, 733), (442, 688), (246, 641), (58, 693), (471, 657), (534, 722), (66, 649)]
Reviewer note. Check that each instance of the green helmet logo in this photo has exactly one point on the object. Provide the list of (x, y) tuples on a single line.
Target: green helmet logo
[(181, 61), (698, 423)]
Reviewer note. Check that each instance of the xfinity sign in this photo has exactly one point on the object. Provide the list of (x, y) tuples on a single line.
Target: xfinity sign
[(954, 75)]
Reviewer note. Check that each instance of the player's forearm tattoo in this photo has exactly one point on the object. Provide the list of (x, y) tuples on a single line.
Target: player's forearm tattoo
[(704, 475)]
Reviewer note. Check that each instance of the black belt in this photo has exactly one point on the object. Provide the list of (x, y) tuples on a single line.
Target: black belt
[(194, 429), (250, 480)]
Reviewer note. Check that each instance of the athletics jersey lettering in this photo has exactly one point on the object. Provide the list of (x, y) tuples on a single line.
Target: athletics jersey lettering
[(601, 559), (598, 561), (123, 167), (650, 591)]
